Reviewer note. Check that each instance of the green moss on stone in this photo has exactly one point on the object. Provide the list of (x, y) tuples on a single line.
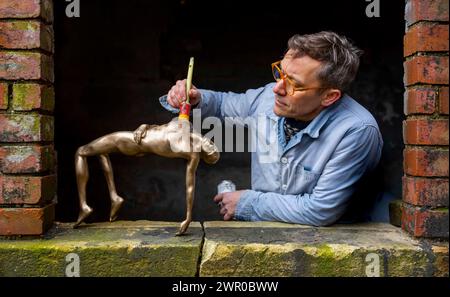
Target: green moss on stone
[(127, 249), (403, 262), (25, 25), (20, 92), (441, 209), (103, 252)]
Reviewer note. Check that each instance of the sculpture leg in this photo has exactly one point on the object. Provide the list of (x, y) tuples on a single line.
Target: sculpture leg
[(116, 200), (122, 142), (190, 190), (82, 174)]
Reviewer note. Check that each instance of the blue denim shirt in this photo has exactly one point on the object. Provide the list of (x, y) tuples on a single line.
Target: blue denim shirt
[(312, 177)]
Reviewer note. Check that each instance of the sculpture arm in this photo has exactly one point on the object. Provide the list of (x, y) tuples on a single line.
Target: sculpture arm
[(191, 169)]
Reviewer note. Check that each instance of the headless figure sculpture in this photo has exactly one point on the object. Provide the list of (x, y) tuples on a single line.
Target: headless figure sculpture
[(173, 140)]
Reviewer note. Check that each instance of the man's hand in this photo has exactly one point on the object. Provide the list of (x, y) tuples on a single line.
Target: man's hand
[(140, 133), (227, 202), (177, 94)]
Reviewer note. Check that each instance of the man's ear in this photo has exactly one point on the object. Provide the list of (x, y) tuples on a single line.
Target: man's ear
[(330, 96)]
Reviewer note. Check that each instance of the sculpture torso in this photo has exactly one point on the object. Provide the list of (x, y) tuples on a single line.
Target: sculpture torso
[(174, 139)]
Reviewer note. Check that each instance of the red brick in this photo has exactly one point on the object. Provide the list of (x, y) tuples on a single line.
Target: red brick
[(25, 127), (426, 10), (425, 161), (26, 35), (426, 69), (443, 100), (26, 221), (426, 37), (3, 96), (425, 131), (33, 97), (27, 9), (420, 100), (27, 189), (27, 159), (25, 65), (422, 222), (421, 191)]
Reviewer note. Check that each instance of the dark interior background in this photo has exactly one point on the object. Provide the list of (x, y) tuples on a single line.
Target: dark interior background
[(115, 61)]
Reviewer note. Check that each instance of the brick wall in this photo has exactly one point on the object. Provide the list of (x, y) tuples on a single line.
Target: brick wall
[(425, 130), (27, 158)]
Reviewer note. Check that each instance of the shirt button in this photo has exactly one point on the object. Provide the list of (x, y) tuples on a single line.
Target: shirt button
[(284, 160), (284, 187)]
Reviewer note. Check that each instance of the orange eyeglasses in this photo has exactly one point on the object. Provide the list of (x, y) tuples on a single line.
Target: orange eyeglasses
[(279, 74)]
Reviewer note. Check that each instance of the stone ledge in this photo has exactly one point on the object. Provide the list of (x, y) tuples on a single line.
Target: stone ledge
[(140, 248), (278, 249), (144, 248)]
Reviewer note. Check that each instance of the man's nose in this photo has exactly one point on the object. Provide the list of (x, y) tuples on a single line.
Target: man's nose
[(280, 88)]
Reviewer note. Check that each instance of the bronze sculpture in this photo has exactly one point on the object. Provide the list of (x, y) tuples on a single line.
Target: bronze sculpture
[(175, 139)]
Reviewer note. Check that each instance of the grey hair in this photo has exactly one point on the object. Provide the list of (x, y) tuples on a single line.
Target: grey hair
[(339, 56)]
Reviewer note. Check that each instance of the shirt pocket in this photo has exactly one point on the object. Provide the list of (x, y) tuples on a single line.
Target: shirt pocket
[(304, 179)]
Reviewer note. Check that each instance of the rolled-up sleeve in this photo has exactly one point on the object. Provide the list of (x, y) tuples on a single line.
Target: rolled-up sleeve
[(223, 104), (358, 152)]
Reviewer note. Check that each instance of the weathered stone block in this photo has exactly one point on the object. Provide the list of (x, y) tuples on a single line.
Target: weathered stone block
[(140, 248), (440, 263), (277, 249)]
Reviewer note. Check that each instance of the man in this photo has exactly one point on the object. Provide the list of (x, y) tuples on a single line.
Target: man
[(328, 141)]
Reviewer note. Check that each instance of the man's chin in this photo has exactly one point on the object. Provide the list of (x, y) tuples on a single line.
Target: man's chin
[(279, 112)]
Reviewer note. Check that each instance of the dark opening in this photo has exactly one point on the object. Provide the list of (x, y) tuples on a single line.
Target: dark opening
[(113, 63)]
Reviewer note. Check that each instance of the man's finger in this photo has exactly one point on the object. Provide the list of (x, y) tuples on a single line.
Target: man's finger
[(193, 92), (227, 217), (223, 211), (169, 96), (218, 198), (181, 83), (172, 102), (179, 90), (173, 97)]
